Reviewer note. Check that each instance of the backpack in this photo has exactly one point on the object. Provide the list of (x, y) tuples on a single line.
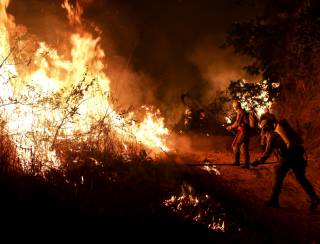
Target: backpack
[(288, 134)]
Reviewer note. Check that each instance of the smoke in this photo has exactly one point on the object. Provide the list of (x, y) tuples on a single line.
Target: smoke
[(218, 66), (119, 38), (155, 51), (132, 89), (85, 3)]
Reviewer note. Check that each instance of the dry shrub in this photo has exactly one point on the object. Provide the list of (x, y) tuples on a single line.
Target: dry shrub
[(9, 161)]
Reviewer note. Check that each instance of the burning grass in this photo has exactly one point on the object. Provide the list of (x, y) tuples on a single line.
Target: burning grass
[(200, 208), (92, 186), (52, 97), (106, 190)]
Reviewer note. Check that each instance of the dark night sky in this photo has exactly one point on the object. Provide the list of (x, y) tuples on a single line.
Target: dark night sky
[(157, 49)]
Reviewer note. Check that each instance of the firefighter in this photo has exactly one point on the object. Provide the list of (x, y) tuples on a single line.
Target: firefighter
[(290, 157), (267, 115), (241, 140)]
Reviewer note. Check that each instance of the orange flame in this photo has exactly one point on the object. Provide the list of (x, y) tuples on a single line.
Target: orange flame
[(74, 13), (50, 109)]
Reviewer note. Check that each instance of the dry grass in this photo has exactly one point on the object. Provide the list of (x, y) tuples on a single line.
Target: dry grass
[(101, 190)]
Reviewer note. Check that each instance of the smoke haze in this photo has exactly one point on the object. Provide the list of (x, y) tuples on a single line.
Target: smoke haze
[(155, 50)]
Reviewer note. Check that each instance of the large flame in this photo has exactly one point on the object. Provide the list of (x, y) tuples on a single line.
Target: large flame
[(55, 96)]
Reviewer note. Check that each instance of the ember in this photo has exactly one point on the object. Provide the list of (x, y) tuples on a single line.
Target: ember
[(211, 169), (200, 208)]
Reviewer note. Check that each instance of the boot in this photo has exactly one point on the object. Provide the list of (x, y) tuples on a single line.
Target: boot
[(236, 161)]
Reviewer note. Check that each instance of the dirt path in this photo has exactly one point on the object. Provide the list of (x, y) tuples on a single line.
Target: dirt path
[(251, 188)]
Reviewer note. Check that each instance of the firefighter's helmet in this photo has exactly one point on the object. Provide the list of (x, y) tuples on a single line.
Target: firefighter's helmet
[(266, 125)]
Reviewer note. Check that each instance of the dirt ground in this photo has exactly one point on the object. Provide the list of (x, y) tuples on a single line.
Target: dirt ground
[(251, 188)]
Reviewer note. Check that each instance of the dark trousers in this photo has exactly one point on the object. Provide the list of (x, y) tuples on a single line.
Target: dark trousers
[(241, 143), (298, 166)]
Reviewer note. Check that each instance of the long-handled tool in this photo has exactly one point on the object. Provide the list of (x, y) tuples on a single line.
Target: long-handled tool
[(226, 164)]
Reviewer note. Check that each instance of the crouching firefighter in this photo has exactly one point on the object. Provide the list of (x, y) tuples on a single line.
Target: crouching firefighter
[(241, 140), (290, 154)]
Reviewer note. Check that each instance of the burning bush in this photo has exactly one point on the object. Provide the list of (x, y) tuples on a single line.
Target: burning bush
[(51, 98)]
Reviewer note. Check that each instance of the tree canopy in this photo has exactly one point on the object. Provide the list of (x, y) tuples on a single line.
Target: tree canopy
[(284, 43)]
